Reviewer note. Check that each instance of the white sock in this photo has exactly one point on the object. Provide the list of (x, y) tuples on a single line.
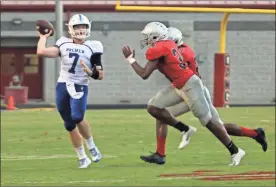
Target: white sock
[(81, 152), (90, 143)]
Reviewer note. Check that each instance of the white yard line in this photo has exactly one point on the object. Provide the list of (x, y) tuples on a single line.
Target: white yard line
[(41, 157), (60, 156), (73, 182), (96, 181), (265, 121)]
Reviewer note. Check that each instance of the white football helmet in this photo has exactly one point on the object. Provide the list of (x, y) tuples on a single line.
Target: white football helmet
[(153, 32), (175, 35), (79, 19)]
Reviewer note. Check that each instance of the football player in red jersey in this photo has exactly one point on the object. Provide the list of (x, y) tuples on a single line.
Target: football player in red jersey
[(163, 54), (182, 108)]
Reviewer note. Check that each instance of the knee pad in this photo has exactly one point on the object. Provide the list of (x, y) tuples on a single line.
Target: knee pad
[(154, 103), (178, 109), (216, 120), (205, 119), (69, 125), (77, 117), (151, 101), (215, 116)]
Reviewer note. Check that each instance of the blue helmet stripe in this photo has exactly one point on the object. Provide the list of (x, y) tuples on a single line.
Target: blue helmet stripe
[(80, 17)]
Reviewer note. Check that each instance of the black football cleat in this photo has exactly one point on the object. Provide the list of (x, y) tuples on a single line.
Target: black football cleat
[(261, 138), (154, 158)]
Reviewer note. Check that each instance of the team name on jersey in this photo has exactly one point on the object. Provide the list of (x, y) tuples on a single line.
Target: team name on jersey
[(74, 50)]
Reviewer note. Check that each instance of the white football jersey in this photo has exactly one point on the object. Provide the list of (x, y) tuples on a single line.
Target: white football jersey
[(71, 54)]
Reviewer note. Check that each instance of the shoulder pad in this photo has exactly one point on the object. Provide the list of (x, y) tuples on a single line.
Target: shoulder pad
[(62, 40), (96, 46)]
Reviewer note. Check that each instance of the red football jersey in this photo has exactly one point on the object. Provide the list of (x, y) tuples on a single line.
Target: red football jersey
[(170, 63), (189, 57)]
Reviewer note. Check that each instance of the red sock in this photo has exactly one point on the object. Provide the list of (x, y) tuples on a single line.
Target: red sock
[(248, 132), (161, 145)]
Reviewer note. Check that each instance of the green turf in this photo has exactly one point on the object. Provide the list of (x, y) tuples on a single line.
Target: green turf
[(35, 150)]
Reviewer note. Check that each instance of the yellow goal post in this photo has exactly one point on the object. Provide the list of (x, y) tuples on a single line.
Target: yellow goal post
[(223, 24)]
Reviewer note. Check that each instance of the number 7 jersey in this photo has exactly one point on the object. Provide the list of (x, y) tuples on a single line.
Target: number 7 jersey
[(71, 54)]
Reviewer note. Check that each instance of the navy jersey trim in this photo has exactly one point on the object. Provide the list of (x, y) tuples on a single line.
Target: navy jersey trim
[(58, 49), (64, 43), (88, 47)]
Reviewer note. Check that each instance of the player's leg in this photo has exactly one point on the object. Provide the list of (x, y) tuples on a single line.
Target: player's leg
[(193, 94), (236, 130), (63, 106), (157, 108), (161, 137), (84, 128), (158, 104), (78, 107), (257, 134), (178, 110), (162, 128)]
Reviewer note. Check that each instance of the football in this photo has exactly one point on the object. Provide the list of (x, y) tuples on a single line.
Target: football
[(44, 27)]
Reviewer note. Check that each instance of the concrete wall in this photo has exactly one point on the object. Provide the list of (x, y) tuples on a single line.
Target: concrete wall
[(250, 42)]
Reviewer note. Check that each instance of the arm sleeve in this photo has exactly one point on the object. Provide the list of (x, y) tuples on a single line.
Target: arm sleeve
[(97, 49), (96, 61)]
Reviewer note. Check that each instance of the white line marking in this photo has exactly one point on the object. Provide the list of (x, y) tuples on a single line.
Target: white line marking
[(96, 181), (73, 182), (41, 157)]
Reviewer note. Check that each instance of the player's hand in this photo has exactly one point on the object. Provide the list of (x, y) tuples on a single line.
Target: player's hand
[(45, 35), (86, 69), (128, 54)]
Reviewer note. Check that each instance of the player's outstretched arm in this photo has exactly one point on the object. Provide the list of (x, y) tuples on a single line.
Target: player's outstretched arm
[(42, 50), (145, 72)]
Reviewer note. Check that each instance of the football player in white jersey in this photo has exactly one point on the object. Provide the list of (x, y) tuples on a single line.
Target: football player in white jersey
[(80, 60)]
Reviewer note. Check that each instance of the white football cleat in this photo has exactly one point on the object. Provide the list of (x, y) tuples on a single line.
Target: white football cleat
[(84, 163), (186, 136), (96, 155), (236, 158)]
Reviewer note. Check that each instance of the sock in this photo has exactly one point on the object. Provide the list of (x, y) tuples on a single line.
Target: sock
[(161, 145), (248, 132), (181, 127), (81, 152), (232, 148), (90, 143)]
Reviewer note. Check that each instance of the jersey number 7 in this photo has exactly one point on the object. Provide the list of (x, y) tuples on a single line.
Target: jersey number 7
[(76, 59)]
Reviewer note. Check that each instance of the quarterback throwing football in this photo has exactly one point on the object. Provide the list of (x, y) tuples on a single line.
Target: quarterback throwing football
[(80, 60)]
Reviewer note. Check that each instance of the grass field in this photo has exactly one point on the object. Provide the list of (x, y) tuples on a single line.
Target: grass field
[(35, 151)]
